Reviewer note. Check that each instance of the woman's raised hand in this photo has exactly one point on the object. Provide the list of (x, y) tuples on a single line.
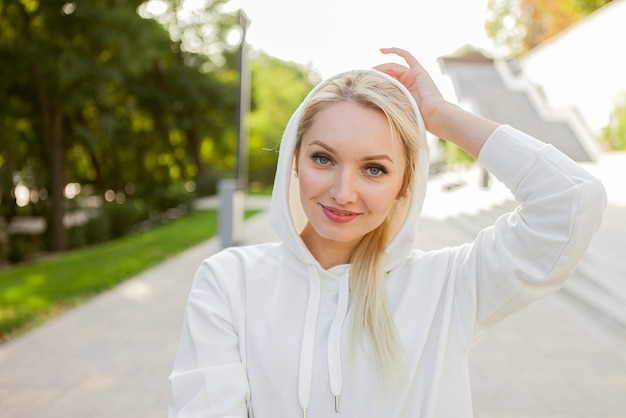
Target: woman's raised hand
[(417, 80), (442, 118)]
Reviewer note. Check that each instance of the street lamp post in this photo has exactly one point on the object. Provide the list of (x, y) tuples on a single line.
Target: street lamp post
[(243, 109), (231, 191)]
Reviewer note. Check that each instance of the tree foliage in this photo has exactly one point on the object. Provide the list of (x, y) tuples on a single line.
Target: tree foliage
[(135, 104), (95, 94), (614, 135), (586, 7), (516, 26), (277, 90)]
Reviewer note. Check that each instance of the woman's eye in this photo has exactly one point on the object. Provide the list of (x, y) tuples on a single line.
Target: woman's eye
[(376, 170), (321, 159)]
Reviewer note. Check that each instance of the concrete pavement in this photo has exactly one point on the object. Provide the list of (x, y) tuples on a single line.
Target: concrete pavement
[(561, 357)]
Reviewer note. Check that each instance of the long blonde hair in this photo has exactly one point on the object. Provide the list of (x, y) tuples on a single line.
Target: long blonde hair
[(372, 313)]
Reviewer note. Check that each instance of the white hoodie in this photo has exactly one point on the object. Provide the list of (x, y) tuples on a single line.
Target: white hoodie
[(267, 330)]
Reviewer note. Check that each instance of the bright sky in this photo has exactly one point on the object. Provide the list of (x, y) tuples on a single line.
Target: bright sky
[(338, 35)]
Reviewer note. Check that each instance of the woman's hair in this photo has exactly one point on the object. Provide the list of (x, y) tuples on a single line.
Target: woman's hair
[(372, 314)]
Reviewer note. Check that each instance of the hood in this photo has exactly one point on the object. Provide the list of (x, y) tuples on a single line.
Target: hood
[(287, 217)]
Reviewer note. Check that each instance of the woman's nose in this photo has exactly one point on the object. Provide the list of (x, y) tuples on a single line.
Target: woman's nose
[(344, 189)]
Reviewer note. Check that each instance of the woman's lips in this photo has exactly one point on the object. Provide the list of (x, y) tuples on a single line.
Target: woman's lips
[(338, 215)]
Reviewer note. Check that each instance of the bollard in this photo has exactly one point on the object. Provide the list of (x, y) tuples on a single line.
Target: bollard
[(230, 213), (484, 178)]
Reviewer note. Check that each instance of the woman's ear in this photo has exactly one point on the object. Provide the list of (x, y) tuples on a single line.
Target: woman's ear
[(295, 164)]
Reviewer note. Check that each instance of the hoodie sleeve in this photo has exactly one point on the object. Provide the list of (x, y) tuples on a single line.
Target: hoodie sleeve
[(531, 252), (209, 379)]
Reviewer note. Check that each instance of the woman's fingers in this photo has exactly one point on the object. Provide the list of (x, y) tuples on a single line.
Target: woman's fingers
[(406, 55), (392, 69), (399, 71), (416, 79)]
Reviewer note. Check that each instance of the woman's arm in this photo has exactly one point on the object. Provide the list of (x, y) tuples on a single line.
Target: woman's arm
[(442, 118), (532, 251), (208, 379)]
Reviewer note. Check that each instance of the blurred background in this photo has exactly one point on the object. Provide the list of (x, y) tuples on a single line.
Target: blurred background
[(121, 117)]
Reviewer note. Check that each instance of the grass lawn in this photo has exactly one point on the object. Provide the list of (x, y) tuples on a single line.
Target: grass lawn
[(32, 292)]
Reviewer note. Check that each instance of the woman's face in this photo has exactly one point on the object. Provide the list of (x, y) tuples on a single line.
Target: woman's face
[(350, 172)]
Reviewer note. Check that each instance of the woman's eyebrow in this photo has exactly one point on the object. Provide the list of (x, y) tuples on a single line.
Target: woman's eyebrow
[(378, 157), (322, 144), (368, 158)]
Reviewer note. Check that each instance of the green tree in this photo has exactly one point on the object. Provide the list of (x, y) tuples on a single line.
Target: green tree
[(614, 135), (200, 29), (129, 100), (505, 26), (545, 19), (585, 7), (193, 112), (63, 69), (516, 26), (96, 94), (278, 88)]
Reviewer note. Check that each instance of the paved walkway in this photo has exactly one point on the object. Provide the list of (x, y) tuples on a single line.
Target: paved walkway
[(562, 357)]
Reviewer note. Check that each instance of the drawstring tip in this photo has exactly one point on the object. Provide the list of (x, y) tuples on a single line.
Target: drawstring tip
[(337, 403)]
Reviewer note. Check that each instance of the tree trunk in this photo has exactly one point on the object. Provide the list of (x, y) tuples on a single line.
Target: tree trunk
[(193, 148), (100, 183), (57, 183), (51, 128)]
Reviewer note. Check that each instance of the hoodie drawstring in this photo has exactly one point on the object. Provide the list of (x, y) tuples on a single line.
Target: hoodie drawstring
[(308, 340), (334, 340)]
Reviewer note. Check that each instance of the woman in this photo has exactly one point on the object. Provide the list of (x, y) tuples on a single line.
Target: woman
[(344, 317)]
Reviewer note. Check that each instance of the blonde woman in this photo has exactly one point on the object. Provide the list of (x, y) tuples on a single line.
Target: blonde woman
[(344, 317)]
